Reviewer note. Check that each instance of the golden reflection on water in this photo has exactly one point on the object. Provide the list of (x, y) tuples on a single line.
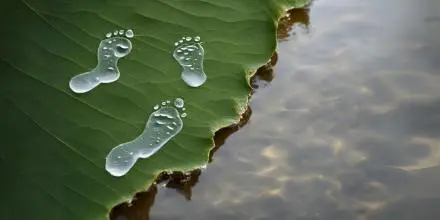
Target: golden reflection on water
[(346, 125)]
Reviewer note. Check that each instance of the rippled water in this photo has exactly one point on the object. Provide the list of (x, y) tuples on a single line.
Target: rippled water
[(347, 126)]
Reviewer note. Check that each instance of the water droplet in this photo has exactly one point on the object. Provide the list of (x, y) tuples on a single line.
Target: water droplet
[(156, 107), (131, 153), (168, 132), (121, 32), (186, 53), (188, 38), (183, 115), (164, 103), (179, 51), (109, 34), (188, 58), (110, 68), (168, 101), (119, 157), (157, 141), (180, 41), (175, 44), (197, 38), (105, 48), (190, 49), (192, 68), (181, 58), (179, 103), (116, 32), (129, 33), (107, 55), (183, 109)]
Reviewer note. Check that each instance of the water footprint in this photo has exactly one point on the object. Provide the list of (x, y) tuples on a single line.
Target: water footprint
[(162, 125), (115, 46), (189, 54)]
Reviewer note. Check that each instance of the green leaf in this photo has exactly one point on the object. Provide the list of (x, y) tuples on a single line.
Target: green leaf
[(54, 142)]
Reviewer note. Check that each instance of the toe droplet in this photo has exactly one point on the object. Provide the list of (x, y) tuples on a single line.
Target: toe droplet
[(188, 38), (116, 32), (156, 107), (183, 115), (179, 103), (164, 103), (180, 41), (121, 32), (197, 38), (109, 34), (129, 33), (176, 43)]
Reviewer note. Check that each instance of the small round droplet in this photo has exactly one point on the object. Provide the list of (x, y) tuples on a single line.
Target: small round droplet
[(190, 49), (179, 103), (116, 32), (156, 107), (197, 38), (176, 43), (186, 53), (180, 41), (187, 58), (168, 133), (111, 68), (131, 153), (121, 32), (129, 33), (179, 51), (164, 103), (183, 115), (119, 157), (168, 101), (181, 58), (105, 48), (151, 144), (109, 34), (157, 141), (183, 109), (188, 38)]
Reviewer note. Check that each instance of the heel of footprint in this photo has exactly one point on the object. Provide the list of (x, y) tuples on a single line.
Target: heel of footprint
[(162, 125)]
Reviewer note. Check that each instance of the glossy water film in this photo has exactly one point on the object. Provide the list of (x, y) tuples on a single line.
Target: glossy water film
[(162, 125), (189, 53), (115, 46)]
